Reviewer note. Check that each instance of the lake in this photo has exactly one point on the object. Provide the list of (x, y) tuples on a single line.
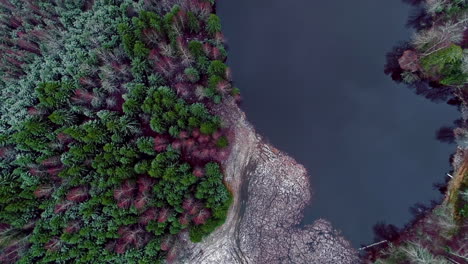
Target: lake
[(312, 81)]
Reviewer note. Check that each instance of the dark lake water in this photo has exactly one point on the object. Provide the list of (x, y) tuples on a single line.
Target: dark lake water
[(311, 75)]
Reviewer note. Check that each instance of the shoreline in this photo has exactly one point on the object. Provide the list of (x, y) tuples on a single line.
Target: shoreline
[(263, 226)]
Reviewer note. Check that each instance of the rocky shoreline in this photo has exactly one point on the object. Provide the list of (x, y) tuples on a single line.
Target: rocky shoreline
[(270, 192)]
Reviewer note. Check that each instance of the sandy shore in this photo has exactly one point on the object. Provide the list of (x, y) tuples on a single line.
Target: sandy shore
[(270, 192)]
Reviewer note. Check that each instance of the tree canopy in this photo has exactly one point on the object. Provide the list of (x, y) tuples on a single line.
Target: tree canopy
[(110, 152)]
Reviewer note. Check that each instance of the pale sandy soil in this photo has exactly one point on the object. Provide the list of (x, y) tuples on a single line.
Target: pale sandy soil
[(262, 225)]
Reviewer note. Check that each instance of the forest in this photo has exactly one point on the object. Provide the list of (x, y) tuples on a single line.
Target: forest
[(434, 61), (435, 64), (110, 151)]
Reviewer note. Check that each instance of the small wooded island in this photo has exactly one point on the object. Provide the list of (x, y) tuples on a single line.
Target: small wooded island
[(122, 142)]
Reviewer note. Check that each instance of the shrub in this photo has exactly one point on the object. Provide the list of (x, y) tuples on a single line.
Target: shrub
[(217, 68), (208, 128), (193, 23), (128, 38), (213, 25), (440, 58), (139, 50), (196, 48), (192, 74), (146, 145), (222, 142), (447, 62)]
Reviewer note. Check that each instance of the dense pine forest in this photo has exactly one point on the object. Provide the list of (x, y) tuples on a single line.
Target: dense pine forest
[(109, 149), (435, 64)]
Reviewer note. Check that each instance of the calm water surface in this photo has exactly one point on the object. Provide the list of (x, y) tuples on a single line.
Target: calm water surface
[(311, 74)]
